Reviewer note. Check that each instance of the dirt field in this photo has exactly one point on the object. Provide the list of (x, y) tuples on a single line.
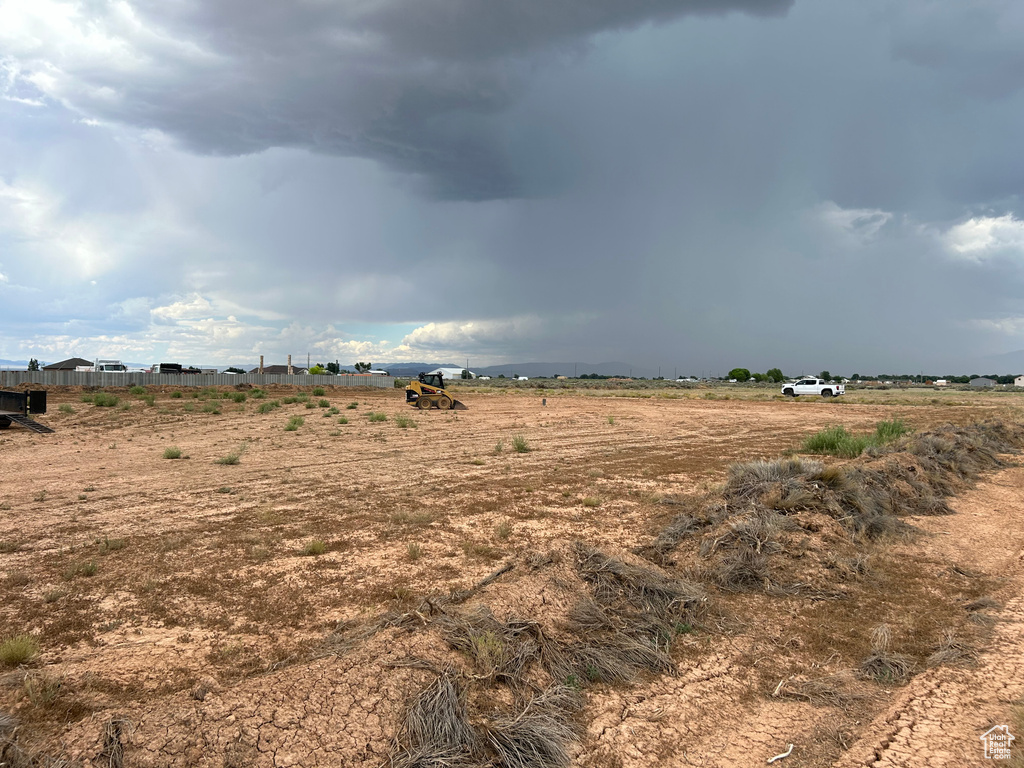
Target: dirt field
[(224, 608)]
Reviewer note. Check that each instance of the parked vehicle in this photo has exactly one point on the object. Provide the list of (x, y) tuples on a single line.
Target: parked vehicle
[(166, 368), (813, 387), (110, 366)]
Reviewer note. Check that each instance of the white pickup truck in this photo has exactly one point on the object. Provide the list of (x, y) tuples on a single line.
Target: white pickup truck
[(813, 387)]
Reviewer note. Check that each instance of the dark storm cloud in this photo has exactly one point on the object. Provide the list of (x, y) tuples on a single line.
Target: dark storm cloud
[(419, 85)]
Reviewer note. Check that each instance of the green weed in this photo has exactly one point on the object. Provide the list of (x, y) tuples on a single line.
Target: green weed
[(172, 452), (18, 650)]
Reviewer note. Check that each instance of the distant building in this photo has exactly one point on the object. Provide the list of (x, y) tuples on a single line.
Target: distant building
[(944, 383), (67, 365), (1019, 381), (281, 370), (982, 382), (452, 373)]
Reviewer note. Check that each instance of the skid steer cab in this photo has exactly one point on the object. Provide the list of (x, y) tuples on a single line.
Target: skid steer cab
[(428, 392)]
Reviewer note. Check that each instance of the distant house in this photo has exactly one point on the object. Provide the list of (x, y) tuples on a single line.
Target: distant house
[(281, 370), (67, 365), (1019, 381), (945, 383), (982, 382), (452, 373)]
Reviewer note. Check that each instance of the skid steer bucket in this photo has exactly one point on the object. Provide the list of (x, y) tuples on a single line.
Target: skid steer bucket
[(458, 405)]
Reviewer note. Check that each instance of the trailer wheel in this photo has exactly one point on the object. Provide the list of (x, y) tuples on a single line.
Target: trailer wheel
[(4, 422)]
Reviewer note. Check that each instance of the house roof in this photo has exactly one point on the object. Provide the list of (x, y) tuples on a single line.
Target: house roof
[(280, 369), (450, 373), (67, 365)]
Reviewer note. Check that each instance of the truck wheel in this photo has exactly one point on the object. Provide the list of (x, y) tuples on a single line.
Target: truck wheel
[(788, 392), (826, 393), (423, 403)]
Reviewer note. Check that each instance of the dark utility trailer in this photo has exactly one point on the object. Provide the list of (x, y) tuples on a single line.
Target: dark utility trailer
[(16, 406)]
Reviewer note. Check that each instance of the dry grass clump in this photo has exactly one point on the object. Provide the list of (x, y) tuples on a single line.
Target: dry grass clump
[(836, 690), (18, 649), (882, 665), (952, 651), (437, 730)]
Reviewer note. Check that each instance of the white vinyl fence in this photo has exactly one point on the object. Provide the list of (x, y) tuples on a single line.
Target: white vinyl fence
[(90, 379)]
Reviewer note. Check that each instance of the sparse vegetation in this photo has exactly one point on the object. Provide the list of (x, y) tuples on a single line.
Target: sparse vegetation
[(324, 403), (211, 407), (238, 397), (837, 441), (342, 420), (268, 406), (234, 457), (80, 569), (176, 395), (18, 649), (294, 422), (102, 400), (414, 551), (318, 391), (137, 390), (519, 444), (66, 408), (499, 447), (352, 406), (172, 452), (376, 417), (314, 548), (405, 422)]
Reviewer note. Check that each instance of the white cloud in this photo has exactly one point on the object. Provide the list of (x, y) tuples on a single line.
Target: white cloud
[(860, 223), (985, 236), (1008, 326), (474, 335)]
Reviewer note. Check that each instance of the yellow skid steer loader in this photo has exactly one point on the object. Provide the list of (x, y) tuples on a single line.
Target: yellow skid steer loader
[(429, 392)]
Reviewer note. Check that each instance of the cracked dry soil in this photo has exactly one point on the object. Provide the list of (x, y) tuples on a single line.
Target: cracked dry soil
[(204, 625)]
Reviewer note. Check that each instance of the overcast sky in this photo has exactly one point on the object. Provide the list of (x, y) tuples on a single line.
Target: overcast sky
[(696, 184)]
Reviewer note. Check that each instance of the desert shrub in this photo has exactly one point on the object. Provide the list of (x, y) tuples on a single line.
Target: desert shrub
[(108, 545), (211, 407), (887, 431), (342, 420), (66, 408), (105, 400), (414, 551), (172, 452), (18, 650), (294, 423), (176, 395), (318, 391), (591, 501), (188, 407), (519, 444), (232, 458), (302, 397), (499, 446), (80, 569), (882, 665), (310, 404), (836, 441), (352, 406), (377, 417), (87, 398), (137, 390), (238, 397), (289, 400), (268, 406), (405, 422), (324, 403), (314, 547), (42, 689), (257, 394), (503, 529)]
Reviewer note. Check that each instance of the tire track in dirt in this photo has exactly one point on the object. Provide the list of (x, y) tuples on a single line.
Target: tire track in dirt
[(938, 719)]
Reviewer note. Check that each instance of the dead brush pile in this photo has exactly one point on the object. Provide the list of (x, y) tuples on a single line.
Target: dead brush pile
[(794, 525), (512, 694)]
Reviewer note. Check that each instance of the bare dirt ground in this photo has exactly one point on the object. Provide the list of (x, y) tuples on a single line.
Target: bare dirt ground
[(202, 607)]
